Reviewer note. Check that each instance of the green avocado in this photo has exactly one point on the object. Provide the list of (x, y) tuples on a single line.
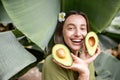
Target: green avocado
[(62, 54), (91, 42)]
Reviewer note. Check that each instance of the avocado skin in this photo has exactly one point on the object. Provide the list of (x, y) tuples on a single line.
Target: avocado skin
[(67, 60)]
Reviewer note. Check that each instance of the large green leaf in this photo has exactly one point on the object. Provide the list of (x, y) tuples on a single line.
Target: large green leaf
[(100, 12), (106, 42), (113, 30), (13, 56), (35, 18), (4, 18), (107, 67)]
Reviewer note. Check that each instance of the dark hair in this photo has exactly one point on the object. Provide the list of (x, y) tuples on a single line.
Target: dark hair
[(58, 36)]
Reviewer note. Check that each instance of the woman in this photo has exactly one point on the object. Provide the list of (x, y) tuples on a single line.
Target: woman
[(71, 31)]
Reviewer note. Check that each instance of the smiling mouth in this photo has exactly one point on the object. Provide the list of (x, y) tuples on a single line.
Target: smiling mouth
[(77, 42)]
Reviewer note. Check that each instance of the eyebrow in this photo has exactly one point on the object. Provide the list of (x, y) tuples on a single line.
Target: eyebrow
[(83, 24), (70, 24), (74, 25)]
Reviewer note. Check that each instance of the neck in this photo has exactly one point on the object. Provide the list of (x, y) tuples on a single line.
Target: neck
[(75, 52)]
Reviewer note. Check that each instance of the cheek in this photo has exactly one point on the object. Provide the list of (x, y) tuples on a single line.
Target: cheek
[(67, 35), (84, 34)]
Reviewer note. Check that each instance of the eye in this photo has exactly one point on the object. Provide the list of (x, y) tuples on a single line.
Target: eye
[(70, 27), (83, 28)]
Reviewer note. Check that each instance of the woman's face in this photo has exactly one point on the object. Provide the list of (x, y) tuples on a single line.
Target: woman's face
[(74, 31)]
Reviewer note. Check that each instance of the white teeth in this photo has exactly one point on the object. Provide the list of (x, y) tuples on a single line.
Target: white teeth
[(76, 40)]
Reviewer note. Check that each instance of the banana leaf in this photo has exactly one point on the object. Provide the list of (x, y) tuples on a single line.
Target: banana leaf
[(4, 18), (35, 18), (113, 30), (106, 42), (23, 14), (107, 67), (13, 57), (100, 12)]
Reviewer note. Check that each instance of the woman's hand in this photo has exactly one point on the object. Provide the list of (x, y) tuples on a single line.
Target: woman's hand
[(86, 57), (80, 64)]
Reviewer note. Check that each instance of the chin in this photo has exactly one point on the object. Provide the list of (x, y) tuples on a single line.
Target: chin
[(76, 49)]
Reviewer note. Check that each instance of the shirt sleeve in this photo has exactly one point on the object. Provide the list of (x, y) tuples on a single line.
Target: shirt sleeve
[(92, 71), (51, 71)]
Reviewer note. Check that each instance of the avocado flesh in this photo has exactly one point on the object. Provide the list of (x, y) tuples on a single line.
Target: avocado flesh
[(62, 54), (91, 42)]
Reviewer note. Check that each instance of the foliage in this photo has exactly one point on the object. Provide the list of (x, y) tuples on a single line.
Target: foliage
[(34, 21)]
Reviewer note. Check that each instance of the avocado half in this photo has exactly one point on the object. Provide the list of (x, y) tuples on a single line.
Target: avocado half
[(62, 54), (91, 42)]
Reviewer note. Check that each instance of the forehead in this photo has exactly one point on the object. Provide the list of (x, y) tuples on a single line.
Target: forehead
[(75, 19)]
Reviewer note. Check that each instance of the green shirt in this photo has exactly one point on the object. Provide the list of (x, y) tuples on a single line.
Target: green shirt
[(52, 71)]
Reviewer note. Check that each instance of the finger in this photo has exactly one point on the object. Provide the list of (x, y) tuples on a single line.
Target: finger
[(66, 67), (84, 49), (91, 59), (73, 56), (98, 51)]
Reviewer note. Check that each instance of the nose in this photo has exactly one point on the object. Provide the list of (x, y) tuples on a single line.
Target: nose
[(78, 33)]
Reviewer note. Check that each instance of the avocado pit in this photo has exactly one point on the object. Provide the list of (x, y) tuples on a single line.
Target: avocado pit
[(60, 53), (91, 41)]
